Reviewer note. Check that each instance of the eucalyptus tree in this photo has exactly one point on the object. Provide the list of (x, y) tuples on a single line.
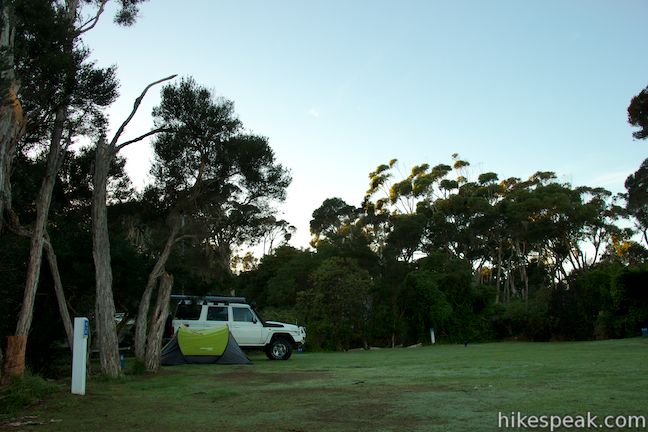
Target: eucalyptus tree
[(105, 154), (216, 183), (11, 112), (57, 96), (329, 218), (637, 198), (637, 183), (393, 208), (24, 38), (276, 233), (638, 114), (256, 182)]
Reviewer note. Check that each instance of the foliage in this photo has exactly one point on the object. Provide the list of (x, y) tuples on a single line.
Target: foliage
[(23, 391), (336, 306), (475, 260), (441, 295), (638, 114), (329, 218), (637, 202), (211, 179)]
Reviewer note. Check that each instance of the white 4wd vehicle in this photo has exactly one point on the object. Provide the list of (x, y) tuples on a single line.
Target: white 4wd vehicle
[(250, 331)]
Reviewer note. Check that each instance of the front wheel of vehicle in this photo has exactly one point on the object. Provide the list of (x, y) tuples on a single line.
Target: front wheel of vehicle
[(279, 349)]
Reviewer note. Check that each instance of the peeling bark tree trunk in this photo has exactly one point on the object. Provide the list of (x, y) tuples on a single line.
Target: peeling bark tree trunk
[(499, 272), (15, 361), (11, 114), (15, 358), (11, 120), (104, 303), (36, 249), (154, 343), (511, 277), (522, 263), (60, 295), (145, 301)]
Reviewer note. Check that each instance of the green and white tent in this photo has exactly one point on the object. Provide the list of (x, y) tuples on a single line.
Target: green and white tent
[(213, 345)]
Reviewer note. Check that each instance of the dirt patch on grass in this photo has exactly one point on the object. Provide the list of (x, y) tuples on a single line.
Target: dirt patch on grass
[(363, 389), (250, 376), (355, 407), (364, 414)]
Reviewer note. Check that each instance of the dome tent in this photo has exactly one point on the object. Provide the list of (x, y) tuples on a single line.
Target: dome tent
[(213, 345)]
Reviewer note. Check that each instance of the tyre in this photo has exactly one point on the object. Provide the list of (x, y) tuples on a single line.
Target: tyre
[(279, 349)]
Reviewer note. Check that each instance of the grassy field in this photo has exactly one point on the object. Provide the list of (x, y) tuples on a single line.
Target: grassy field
[(443, 387)]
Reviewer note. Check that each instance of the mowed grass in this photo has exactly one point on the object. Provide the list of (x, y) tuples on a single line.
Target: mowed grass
[(435, 388)]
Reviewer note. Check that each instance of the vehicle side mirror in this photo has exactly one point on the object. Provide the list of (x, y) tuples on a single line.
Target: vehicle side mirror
[(254, 320)]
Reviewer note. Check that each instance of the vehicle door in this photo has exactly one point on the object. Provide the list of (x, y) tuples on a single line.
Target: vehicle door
[(245, 326)]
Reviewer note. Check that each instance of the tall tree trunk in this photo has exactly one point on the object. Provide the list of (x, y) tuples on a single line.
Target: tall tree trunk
[(15, 364), (145, 301), (15, 361), (499, 272), (104, 302), (522, 262), (511, 277), (60, 295), (154, 343), (11, 114)]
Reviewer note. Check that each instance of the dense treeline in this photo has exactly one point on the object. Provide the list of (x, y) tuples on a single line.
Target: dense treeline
[(489, 259)]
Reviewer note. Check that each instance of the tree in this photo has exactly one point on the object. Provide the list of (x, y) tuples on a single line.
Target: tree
[(276, 233), (637, 198), (63, 97), (638, 114), (330, 217), (215, 182), (336, 307), (278, 278), (11, 114), (105, 154), (158, 320)]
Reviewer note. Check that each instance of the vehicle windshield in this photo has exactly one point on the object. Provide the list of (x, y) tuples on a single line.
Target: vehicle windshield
[(256, 312)]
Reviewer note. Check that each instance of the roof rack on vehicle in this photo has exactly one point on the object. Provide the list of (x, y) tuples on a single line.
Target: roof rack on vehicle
[(207, 298)]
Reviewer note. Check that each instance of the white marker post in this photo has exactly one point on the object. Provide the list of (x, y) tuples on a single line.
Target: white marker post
[(432, 338), (79, 353)]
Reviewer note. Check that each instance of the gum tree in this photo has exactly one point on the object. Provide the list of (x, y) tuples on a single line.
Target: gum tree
[(214, 182), (61, 97)]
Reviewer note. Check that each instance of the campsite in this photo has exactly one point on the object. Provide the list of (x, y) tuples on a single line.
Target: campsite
[(330, 215), (433, 388)]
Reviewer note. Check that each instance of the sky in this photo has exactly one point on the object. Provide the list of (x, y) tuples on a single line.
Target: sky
[(340, 87)]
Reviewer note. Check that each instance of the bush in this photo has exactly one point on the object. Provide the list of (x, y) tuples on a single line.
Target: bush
[(24, 391)]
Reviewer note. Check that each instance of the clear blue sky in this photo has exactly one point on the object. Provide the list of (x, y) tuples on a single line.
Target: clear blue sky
[(340, 87)]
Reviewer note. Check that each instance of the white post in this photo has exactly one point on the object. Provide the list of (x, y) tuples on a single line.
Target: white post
[(80, 350), (432, 338)]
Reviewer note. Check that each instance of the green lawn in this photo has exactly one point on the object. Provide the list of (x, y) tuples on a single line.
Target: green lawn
[(443, 387)]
